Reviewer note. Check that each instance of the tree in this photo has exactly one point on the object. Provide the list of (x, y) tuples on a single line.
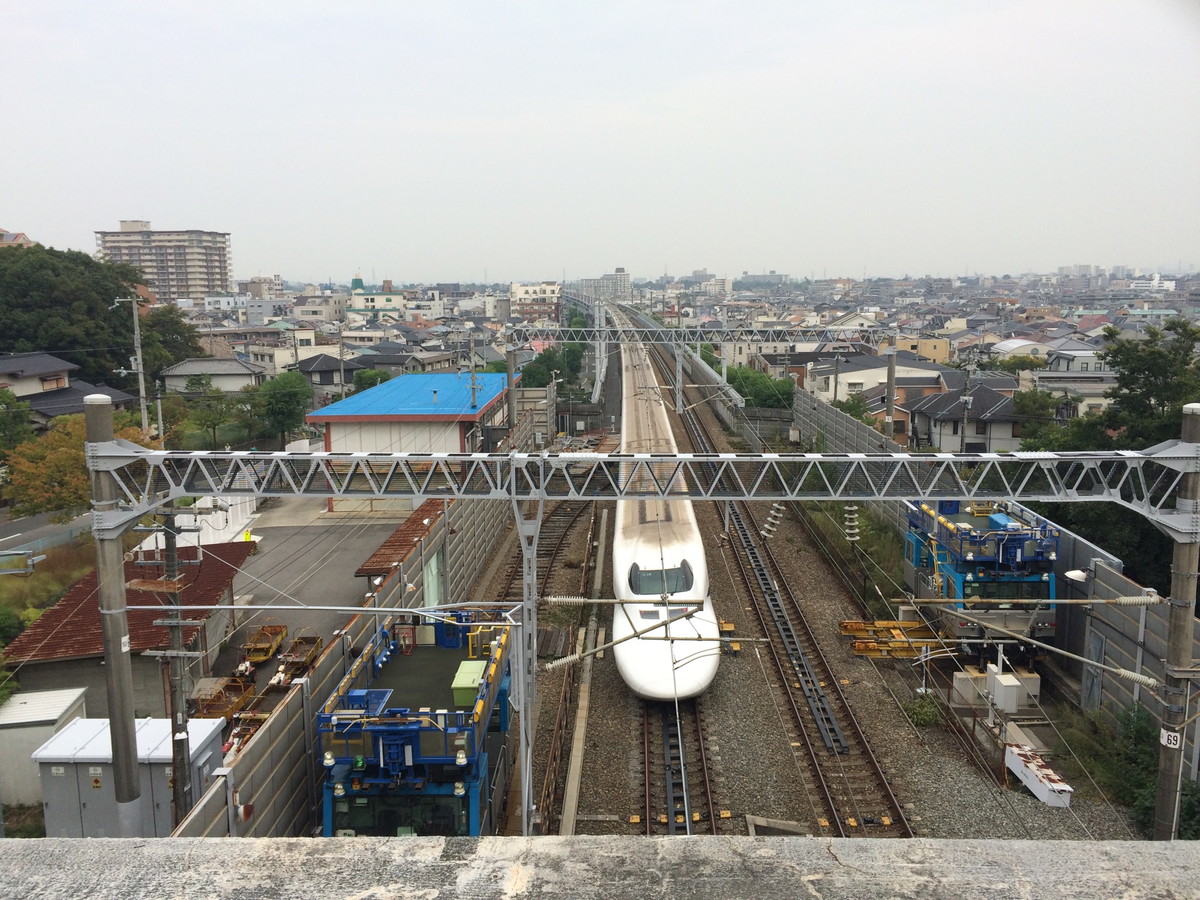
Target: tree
[(210, 407), (248, 411), (15, 427), (856, 406), (286, 399), (1156, 377), (1014, 364), (365, 379), (49, 472), (759, 389), (61, 301), (168, 338), (10, 625), (535, 375)]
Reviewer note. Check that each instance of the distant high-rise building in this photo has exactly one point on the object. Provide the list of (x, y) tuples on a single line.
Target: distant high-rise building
[(176, 264)]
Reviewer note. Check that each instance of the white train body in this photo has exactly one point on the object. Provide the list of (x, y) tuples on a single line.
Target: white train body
[(659, 570)]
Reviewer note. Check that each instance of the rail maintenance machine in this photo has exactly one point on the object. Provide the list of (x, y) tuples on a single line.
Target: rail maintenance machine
[(974, 552), (414, 741)]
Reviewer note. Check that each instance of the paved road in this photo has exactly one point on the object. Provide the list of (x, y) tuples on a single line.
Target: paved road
[(305, 557), (16, 533)]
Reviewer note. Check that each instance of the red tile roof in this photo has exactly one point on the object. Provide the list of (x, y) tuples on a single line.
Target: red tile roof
[(71, 628), (401, 542)]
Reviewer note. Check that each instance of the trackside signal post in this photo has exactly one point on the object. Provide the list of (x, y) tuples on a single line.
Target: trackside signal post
[(1161, 483)]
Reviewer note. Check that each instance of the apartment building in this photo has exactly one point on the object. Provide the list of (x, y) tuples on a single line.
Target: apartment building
[(535, 302), (176, 264)]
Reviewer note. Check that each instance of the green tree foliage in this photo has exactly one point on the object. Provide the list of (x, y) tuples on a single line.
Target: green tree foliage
[(1014, 364), (210, 407), (15, 427), (365, 379), (286, 398), (175, 415), (10, 625), (1123, 758), (535, 375), (59, 302), (1155, 378), (856, 406), (566, 360), (168, 338), (49, 472), (760, 389), (248, 412)]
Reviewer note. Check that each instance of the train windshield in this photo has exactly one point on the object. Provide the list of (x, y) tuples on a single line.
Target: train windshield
[(655, 582), (1020, 592)]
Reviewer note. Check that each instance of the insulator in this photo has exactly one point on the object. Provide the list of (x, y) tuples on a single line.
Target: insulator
[(1142, 600), (563, 661), (1137, 678), (568, 601)]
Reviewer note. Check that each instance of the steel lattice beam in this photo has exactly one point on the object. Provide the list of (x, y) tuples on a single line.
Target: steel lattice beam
[(696, 335), (1146, 482)]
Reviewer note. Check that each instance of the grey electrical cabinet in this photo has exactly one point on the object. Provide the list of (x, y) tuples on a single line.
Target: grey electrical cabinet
[(27, 721), (76, 769)]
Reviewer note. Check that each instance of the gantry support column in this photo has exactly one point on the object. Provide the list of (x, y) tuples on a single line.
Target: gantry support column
[(114, 624), (1180, 627), (526, 679)]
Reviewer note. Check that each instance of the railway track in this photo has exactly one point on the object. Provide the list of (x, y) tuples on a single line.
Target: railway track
[(853, 793), (678, 783), (856, 795), (555, 528)]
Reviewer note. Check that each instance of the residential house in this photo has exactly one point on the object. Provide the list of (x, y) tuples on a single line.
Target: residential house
[(227, 375), (44, 382), (967, 418), (329, 375), (14, 239), (65, 648)]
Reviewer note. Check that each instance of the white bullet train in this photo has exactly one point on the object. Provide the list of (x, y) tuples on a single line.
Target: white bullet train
[(659, 570)]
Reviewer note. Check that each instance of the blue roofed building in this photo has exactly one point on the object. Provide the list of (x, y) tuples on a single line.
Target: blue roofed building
[(419, 413)]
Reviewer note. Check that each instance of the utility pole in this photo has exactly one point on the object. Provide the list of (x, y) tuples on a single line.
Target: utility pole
[(1180, 625), (889, 415), (137, 360), (181, 756)]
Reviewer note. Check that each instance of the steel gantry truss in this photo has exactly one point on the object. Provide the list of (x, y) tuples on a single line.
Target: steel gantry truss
[(710, 334), (1146, 481)]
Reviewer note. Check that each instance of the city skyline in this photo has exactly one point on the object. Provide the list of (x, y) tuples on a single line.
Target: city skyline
[(477, 143)]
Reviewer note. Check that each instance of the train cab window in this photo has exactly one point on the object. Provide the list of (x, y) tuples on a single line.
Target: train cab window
[(655, 582), (1019, 592)]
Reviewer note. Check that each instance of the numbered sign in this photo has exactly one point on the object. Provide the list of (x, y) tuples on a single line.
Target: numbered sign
[(1172, 739)]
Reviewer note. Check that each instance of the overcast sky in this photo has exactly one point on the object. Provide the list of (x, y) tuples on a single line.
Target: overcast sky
[(443, 141)]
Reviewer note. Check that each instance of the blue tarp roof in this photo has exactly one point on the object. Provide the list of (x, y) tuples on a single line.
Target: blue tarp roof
[(413, 395)]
